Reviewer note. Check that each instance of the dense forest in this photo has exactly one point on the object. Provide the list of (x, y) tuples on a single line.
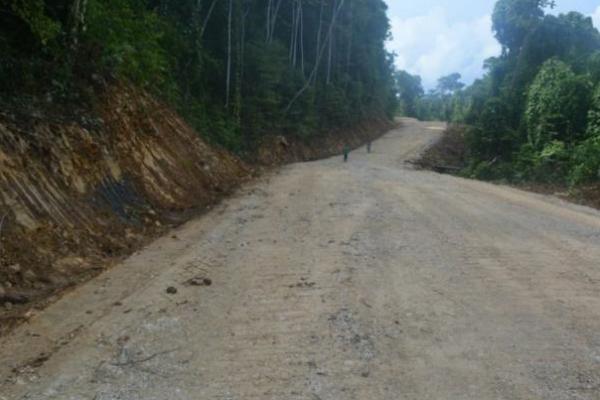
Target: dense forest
[(235, 69), (535, 115)]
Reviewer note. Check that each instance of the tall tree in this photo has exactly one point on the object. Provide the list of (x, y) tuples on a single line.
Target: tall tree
[(514, 19), (450, 84)]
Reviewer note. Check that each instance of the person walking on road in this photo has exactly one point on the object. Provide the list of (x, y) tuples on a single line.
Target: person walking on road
[(369, 146), (346, 152)]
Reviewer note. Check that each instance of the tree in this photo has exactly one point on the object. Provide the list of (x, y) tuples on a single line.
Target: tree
[(410, 89), (76, 21), (532, 115), (593, 67), (492, 137), (586, 155), (569, 37), (557, 105), (33, 14), (513, 19), (450, 84), (288, 66)]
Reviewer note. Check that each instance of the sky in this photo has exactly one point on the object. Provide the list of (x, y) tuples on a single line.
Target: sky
[(433, 38)]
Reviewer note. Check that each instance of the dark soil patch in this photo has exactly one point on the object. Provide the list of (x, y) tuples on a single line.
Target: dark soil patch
[(449, 154)]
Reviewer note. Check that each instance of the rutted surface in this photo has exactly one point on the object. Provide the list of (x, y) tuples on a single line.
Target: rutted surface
[(365, 280)]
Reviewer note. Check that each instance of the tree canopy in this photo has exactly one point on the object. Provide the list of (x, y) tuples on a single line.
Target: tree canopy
[(450, 84), (410, 89), (236, 69), (513, 19), (534, 115)]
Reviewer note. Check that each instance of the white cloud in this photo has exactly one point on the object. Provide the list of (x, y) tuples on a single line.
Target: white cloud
[(596, 17), (432, 46)]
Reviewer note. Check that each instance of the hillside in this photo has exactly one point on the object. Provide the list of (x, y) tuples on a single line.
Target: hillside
[(119, 119), (74, 195), (80, 191)]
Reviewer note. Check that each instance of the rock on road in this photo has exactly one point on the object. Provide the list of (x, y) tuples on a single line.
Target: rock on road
[(330, 281)]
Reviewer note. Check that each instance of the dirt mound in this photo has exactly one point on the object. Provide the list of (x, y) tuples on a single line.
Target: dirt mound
[(76, 194), (449, 154), (589, 195)]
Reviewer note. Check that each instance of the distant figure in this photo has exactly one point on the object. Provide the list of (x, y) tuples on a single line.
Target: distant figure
[(368, 146), (346, 153)]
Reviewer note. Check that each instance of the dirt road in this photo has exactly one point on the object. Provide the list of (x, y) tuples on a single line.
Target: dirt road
[(332, 281)]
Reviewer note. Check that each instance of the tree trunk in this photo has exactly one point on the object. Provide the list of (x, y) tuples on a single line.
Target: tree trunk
[(350, 39), (76, 23), (207, 18), (293, 36), (301, 15), (273, 20), (196, 13), (229, 34), (319, 33), (268, 24), (331, 42), (239, 34), (313, 73), (243, 43)]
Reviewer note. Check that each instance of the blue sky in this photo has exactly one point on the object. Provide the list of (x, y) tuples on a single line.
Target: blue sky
[(437, 37)]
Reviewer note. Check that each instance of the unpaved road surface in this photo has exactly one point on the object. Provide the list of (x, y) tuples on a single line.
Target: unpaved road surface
[(334, 281)]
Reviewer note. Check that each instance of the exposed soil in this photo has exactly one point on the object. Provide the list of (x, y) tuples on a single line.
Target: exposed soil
[(332, 280), (81, 191), (448, 155)]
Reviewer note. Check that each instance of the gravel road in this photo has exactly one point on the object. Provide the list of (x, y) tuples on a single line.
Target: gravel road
[(330, 281)]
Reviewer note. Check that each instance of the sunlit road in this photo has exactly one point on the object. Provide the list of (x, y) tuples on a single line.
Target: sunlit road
[(330, 281)]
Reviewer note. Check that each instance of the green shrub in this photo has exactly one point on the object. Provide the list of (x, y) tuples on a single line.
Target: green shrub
[(130, 38), (33, 13), (549, 164), (557, 105), (492, 137), (585, 159)]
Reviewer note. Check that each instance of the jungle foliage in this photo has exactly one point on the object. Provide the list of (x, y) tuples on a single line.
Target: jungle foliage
[(236, 69), (535, 115)]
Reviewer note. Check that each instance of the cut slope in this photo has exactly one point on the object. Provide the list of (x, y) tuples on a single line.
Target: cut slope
[(75, 194)]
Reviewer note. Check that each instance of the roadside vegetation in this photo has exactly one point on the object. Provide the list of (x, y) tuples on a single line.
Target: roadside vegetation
[(535, 115), (237, 70)]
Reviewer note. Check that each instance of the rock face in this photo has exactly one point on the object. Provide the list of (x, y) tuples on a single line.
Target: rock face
[(97, 187)]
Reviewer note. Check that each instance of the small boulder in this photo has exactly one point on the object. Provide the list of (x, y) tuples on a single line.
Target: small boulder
[(29, 276), (199, 281), (172, 290), (16, 268)]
